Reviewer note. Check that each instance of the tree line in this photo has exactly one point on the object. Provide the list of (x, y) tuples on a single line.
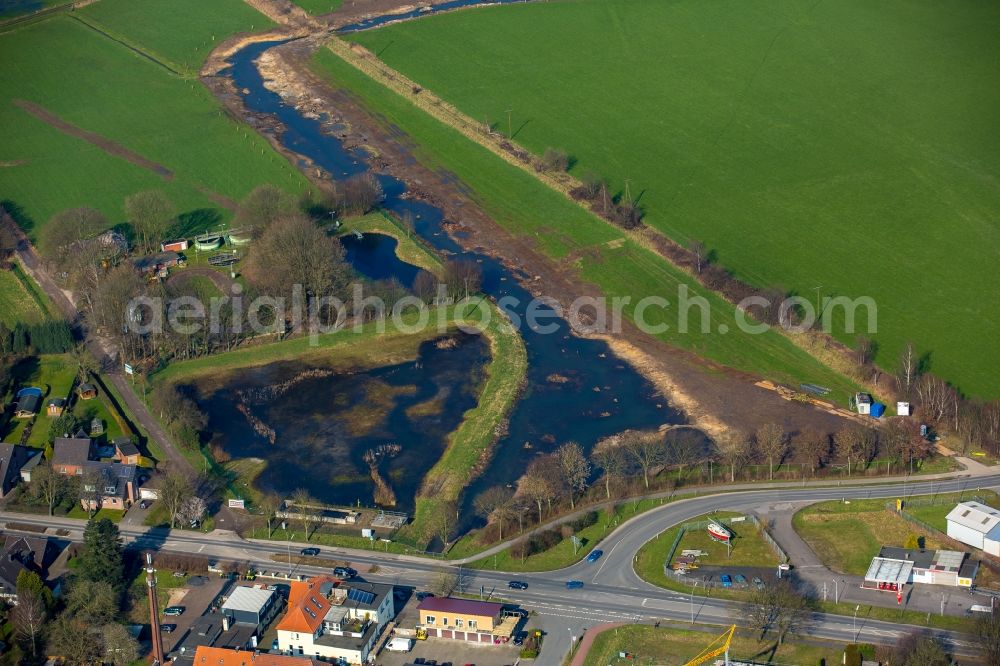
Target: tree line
[(54, 336), (634, 462)]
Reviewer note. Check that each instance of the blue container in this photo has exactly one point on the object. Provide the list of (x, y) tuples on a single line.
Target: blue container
[(878, 409)]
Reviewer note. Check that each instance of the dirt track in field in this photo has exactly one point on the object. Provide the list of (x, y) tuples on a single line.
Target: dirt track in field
[(105, 144)]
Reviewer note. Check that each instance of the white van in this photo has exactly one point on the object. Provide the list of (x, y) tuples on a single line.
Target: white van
[(400, 645)]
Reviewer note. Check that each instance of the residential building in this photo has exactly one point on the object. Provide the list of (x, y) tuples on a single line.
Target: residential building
[(977, 525), (28, 467), (70, 455), (215, 656), (114, 483), (20, 554), (465, 620), (253, 606), (895, 567), (335, 620), (126, 451), (12, 458)]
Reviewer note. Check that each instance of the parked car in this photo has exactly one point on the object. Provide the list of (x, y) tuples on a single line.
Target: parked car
[(574, 584), (423, 595), (143, 504), (758, 583), (727, 580), (274, 644), (519, 638), (174, 611), (517, 585), (344, 572), (595, 555), (168, 628), (740, 579), (309, 552)]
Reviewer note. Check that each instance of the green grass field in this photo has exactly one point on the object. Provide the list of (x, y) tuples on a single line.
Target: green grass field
[(665, 646), (318, 7), (176, 123), (17, 303), (166, 30), (848, 145), (521, 204)]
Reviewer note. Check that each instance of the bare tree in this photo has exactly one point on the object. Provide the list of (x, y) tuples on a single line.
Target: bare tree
[(613, 462), (908, 368), (736, 450), (120, 649), (173, 491), (683, 447), (462, 277), (988, 633), (193, 509), (361, 193), (778, 607), (48, 485), (66, 230), (815, 448), (773, 444), (494, 504), (294, 251), (442, 522), (263, 206), (269, 505), (574, 468), (444, 583), (304, 509), (646, 449), (151, 214), (28, 618), (700, 254), (537, 485), (554, 159), (865, 350), (855, 444)]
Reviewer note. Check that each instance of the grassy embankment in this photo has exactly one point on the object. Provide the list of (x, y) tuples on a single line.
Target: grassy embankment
[(565, 232), (135, 103), (666, 646), (724, 123), (20, 299)]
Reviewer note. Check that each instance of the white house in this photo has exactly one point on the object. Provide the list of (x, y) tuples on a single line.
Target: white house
[(977, 525), (335, 620)]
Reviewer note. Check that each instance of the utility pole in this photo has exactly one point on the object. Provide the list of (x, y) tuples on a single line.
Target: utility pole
[(154, 611), (693, 586), (510, 129), (856, 609), (819, 307)]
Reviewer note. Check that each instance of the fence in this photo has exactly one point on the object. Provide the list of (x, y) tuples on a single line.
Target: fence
[(702, 524)]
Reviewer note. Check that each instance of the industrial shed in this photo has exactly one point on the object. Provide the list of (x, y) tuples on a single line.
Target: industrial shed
[(977, 525)]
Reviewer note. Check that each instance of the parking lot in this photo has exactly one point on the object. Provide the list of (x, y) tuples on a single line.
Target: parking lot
[(457, 653), (194, 596), (711, 576)]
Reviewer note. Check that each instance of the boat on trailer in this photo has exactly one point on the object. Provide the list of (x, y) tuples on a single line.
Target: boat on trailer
[(719, 532)]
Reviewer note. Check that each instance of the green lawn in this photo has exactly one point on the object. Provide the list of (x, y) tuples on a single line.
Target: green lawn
[(521, 204), (134, 102), (17, 303), (318, 7), (664, 646), (849, 145), (934, 514), (180, 32), (748, 550), (846, 536)]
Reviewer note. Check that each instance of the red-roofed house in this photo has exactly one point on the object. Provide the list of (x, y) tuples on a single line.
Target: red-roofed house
[(213, 656), (332, 619)]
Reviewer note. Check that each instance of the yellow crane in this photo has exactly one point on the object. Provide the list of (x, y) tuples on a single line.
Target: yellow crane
[(717, 647)]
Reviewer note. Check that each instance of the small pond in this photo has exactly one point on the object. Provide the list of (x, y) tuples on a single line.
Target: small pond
[(324, 430)]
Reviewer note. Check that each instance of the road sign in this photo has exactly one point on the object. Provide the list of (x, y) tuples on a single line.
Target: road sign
[(129, 369), (237, 504)]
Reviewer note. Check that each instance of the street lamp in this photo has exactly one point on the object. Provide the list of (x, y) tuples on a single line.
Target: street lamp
[(856, 609), (693, 586)]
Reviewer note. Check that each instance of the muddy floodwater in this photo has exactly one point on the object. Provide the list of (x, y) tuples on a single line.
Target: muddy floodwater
[(325, 431)]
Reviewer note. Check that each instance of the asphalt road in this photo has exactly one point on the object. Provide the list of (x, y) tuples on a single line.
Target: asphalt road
[(612, 590)]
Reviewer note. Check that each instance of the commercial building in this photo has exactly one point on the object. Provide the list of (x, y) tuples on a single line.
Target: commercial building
[(335, 620), (252, 606), (895, 567), (977, 525), (465, 620)]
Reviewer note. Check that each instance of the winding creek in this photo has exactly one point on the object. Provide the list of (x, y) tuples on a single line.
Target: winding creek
[(577, 390)]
